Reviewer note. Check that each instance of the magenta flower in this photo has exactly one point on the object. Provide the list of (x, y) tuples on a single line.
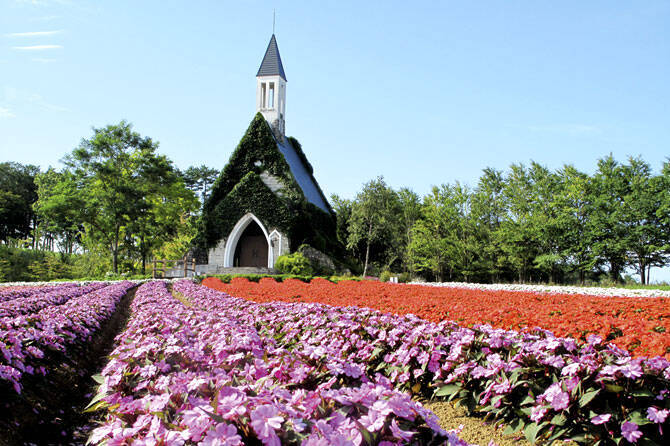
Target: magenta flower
[(630, 431), (537, 413), (373, 421), (264, 420), (224, 435), (656, 415), (601, 419)]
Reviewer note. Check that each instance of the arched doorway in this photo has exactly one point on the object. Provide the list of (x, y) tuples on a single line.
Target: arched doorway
[(252, 247)]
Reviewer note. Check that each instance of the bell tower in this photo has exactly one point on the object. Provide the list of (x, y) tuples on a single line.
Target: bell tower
[(271, 89)]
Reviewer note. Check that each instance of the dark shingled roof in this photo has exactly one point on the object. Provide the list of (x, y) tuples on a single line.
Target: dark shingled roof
[(271, 65)]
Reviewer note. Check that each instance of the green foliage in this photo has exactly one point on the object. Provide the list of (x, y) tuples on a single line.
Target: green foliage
[(18, 192), (385, 276), (373, 218), (240, 190), (256, 152), (199, 180), (528, 224), (129, 198), (295, 263), (26, 265), (226, 278)]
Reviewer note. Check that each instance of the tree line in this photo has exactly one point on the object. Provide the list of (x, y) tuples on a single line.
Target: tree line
[(527, 224), (116, 203)]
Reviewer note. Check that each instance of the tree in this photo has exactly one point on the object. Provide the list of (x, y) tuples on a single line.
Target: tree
[(573, 207), (58, 208), (17, 195), (605, 223), (410, 212), (373, 216), (644, 237), (432, 235), (121, 179), (488, 211), (342, 208), (199, 179)]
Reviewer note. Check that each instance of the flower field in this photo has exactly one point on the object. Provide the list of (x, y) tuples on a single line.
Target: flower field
[(51, 319), (209, 370), (639, 325), (194, 365)]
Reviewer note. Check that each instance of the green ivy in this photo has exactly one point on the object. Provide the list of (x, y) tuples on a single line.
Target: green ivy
[(257, 145), (240, 190)]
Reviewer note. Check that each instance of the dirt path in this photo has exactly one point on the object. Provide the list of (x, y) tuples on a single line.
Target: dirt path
[(476, 430)]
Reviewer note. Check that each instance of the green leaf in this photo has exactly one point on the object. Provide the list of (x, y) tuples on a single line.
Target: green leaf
[(449, 389), (613, 388), (98, 378), (515, 426), (531, 431), (642, 393), (587, 397), (376, 352), (559, 420), (557, 435), (216, 417), (528, 400), (96, 398), (639, 418)]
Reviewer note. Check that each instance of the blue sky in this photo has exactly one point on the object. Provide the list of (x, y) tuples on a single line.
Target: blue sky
[(422, 93)]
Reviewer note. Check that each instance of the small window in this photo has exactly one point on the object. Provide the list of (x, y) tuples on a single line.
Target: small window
[(271, 96), (263, 95)]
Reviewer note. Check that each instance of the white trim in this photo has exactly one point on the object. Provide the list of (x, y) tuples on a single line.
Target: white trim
[(234, 237), (279, 237)]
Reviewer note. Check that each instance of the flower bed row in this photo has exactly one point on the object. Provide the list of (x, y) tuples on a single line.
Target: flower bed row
[(43, 298), (554, 289), (201, 373), (546, 386), (639, 325), (13, 292), (26, 340)]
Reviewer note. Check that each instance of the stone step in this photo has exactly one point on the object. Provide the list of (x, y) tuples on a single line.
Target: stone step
[(218, 269)]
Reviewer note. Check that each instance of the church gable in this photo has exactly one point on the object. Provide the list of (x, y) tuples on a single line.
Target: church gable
[(257, 152)]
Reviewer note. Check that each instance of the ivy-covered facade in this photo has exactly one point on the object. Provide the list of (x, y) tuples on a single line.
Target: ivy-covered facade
[(258, 186)]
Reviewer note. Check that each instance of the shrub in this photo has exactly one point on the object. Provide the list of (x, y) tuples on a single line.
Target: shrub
[(385, 276), (295, 263)]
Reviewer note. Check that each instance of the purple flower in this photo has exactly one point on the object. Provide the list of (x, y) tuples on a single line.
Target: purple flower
[(537, 413), (656, 415), (555, 396), (373, 421), (630, 431), (264, 420), (601, 419), (223, 435)]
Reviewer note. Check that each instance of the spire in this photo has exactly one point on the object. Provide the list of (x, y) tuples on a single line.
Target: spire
[(271, 65)]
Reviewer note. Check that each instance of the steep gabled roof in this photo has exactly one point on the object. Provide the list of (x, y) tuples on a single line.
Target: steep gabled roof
[(304, 178), (271, 65)]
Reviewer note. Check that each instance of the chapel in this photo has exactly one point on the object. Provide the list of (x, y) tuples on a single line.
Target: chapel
[(266, 202)]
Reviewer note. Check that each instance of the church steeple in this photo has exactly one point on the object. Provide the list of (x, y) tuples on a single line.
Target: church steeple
[(271, 65), (271, 89)]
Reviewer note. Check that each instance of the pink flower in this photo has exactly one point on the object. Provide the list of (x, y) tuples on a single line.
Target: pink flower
[(537, 413), (264, 420), (630, 431), (656, 415), (224, 435), (405, 436), (560, 401), (601, 419), (373, 421)]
